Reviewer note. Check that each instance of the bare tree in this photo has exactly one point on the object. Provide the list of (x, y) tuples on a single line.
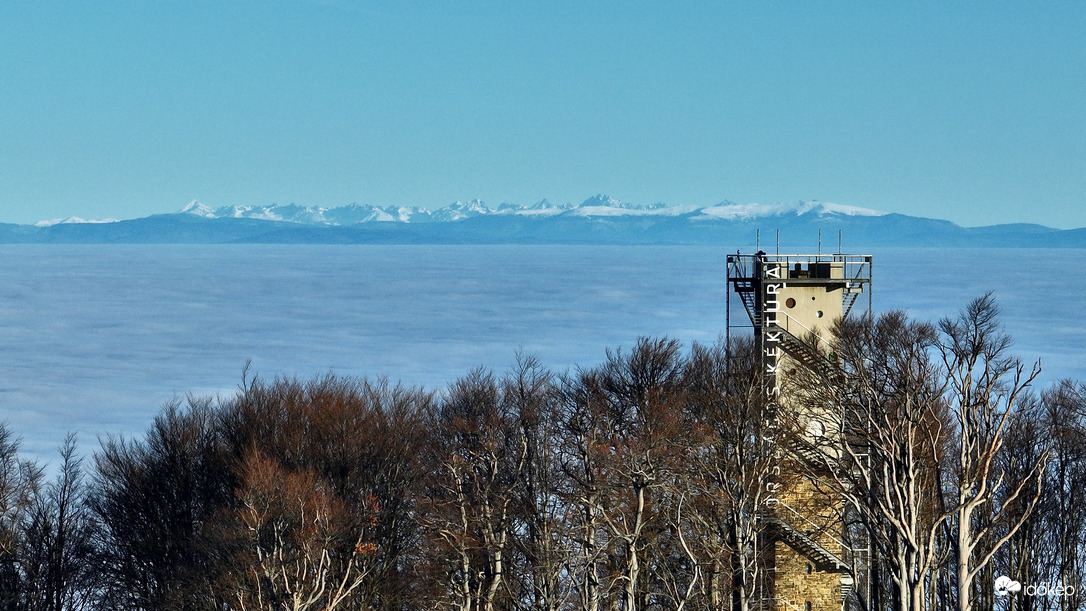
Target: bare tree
[(306, 547), (1032, 553), (985, 386), (480, 454), (1064, 420), (677, 566), (885, 464), (151, 499), (733, 472), (582, 453), (621, 437), (638, 396), (58, 541), (19, 487), (542, 518), (1050, 545), (362, 442)]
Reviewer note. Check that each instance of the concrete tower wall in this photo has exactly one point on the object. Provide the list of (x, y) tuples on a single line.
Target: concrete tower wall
[(810, 302)]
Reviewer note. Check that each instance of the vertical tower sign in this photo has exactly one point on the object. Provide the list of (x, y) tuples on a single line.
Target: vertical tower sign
[(769, 347)]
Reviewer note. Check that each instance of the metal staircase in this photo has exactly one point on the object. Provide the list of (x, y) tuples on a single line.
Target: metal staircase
[(807, 355), (813, 457), (822, 558), (852, 291), (746, 290)]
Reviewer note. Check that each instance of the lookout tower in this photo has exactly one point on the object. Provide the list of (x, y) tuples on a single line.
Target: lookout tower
[(792, 302)]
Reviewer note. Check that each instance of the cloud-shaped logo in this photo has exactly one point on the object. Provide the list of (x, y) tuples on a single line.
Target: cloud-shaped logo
[(1005, 585)]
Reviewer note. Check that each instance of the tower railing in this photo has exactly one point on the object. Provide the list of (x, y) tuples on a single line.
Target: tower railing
[(743, 276)]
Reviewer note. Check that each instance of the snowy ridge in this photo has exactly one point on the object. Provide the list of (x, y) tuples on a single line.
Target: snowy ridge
[(599, 220), (745, 212), (72, 220), (596, 206)]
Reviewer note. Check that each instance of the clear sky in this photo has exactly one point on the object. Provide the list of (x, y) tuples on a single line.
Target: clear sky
[(970, 111)]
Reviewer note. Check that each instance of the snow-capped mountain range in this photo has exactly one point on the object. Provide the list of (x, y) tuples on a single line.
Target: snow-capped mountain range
[(597, 220), (598, 206)]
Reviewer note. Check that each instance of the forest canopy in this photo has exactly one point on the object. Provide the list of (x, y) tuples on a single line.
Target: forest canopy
[(639, 483)]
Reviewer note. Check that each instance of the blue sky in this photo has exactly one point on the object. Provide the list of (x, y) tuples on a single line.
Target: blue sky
[(969, 111)]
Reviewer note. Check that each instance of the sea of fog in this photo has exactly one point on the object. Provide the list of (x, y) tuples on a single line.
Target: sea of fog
[(96, 338)]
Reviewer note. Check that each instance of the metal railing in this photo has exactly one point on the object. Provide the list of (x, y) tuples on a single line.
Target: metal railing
[(805, 328), (821, 529)]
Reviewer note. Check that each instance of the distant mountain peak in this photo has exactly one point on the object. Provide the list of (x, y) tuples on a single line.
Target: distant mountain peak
[(459, 210), (828, 208), (603, 201), (542, 204), (198, 209)]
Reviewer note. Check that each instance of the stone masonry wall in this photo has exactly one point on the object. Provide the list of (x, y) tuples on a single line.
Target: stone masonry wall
[(797, 580)]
